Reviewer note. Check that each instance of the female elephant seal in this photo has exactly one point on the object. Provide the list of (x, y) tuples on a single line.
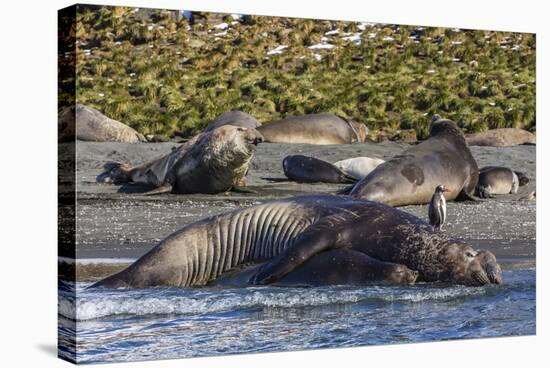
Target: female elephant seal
[(306, 169), (333, 267), (502, 137), (314, 129), (410, 178), (235, 118), (499, 180), (211, 162), (358, 167), (290, 231), (87, 124)]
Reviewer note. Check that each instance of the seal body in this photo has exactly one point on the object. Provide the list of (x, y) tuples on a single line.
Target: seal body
[(314, 129), (502, 137), (211, 162), (410, 177), (358, 167), (91, 125), (235, 118), (306, 169), (499, 180), (285, 233), (333, 267)]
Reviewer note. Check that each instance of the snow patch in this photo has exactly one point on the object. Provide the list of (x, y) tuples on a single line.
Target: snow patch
[(277, 50), (318, 46), (221, 26)]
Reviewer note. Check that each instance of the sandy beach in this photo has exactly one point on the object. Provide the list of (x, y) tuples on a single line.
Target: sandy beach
[(118, 222)]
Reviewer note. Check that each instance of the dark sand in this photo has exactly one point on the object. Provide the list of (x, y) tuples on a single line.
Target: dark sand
[(116, 221)]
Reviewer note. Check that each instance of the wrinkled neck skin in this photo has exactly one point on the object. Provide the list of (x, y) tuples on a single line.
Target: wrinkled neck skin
[(233, 154), (395, 236), (425, 251)]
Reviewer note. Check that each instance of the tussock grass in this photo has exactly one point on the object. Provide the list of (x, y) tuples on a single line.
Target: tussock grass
[(160, 74)]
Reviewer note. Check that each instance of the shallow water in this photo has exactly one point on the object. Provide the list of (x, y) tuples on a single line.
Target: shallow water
[(160, 323)]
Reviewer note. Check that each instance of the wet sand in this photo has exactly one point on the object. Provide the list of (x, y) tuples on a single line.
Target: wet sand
[(117, 222)]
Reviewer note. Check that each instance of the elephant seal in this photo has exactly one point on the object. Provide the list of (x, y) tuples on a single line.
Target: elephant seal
[(87, 124), (306, 169), (211, 162), (333, 267), (358, 167), (287, 232), (314, 129), (235, 118), (502, 137), (410, 177), (499, 180)]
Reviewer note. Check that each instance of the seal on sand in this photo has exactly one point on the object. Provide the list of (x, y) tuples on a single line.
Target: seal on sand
[(502, 137), (90, 125), (358, 167), (499, 180), (410, 177), (287, 232), (306, 169), (235, 118), (211, 162), (314, 129)]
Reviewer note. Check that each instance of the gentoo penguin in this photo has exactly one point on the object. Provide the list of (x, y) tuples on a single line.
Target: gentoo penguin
[(437, 211)]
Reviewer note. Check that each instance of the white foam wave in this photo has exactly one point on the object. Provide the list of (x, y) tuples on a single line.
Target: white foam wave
[(94, 305)]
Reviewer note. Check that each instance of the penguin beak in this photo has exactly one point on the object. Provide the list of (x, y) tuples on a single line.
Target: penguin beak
[(445, 189)]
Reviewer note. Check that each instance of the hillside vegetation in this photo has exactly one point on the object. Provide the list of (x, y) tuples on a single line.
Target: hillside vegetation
[(161, 73)]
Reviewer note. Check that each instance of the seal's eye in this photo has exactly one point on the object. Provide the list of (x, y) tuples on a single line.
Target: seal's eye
[(240, 129), (470, 254)]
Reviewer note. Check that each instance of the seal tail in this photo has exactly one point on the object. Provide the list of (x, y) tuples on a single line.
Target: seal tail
[(164, 188)]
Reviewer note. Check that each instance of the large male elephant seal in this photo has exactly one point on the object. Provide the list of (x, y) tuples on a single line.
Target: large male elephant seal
[(289, 231), (333, 267), (499, 180), (235, 118), (306, 169), (410, 177), (359, 167), (502, 137), (211, 162), (314, 129), (91, 125)]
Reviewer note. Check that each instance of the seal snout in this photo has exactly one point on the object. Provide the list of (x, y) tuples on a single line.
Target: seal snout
[(490, 266), (252, 136)]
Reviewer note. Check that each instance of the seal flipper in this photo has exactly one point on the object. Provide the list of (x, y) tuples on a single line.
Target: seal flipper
[(309, 243), (465, 196), (164, 188), (346, 191)]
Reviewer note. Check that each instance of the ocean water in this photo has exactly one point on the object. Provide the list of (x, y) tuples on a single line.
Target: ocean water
[(161, 323)]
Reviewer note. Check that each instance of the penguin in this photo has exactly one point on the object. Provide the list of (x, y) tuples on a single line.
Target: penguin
[(437, 211)]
